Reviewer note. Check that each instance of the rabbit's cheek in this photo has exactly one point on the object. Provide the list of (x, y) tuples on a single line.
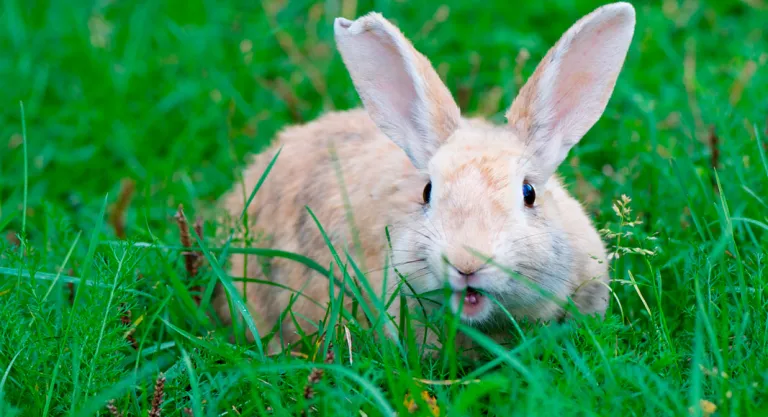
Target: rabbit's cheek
[(412, 258)]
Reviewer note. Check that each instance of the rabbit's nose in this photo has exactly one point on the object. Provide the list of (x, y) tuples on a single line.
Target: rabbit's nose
[(466, 272), (464, 264)]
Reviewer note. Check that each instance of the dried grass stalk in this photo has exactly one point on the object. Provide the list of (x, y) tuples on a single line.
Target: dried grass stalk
[(186, 241), (117, 215), (714, 147)]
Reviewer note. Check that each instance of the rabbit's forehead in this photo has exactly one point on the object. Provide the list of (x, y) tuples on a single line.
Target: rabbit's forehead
[(489, 159), (473, 179)]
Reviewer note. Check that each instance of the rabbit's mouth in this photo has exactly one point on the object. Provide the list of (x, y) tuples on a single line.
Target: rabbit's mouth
[(473, 304)]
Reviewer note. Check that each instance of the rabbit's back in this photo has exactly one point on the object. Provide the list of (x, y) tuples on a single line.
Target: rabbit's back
[(381, 186)]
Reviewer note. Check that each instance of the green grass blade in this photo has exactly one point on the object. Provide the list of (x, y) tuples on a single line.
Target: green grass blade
[(194, 384), (233, 295), (26, 174), (61, 268), (8, 371), (52, 386), (94, 241), (264, 252), (761, 150), (260, 183), (113, 290), (77, 355), (493, 347), (353, 285)]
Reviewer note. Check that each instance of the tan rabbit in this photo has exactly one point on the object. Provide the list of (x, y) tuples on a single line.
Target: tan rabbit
[(449, 188)]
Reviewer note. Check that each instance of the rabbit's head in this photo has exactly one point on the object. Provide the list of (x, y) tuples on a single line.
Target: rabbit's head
[(490, 201)]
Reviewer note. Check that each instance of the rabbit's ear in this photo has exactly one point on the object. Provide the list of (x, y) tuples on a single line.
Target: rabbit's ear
[(570, 88), (398, 86)]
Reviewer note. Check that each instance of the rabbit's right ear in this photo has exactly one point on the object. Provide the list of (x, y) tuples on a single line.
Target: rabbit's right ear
[(398, 86), (570, 88)]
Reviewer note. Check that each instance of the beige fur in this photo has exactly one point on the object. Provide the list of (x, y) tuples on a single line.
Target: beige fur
[(411, 133)]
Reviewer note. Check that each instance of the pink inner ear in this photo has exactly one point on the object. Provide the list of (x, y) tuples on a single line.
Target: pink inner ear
[(389, 87), (401, 91), (587, 73)]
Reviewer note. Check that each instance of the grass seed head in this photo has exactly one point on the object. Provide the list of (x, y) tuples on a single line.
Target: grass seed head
[(157, 398)]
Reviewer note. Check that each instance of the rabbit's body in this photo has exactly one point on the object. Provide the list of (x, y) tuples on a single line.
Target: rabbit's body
[(471, 206), (383, 189)]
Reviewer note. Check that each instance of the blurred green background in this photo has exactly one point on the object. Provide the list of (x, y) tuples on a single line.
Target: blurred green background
[(174, 95)]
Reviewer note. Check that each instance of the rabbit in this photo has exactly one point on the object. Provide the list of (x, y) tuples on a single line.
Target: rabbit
[(448, 188)]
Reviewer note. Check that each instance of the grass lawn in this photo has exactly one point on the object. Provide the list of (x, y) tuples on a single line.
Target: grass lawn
[(133, 108)]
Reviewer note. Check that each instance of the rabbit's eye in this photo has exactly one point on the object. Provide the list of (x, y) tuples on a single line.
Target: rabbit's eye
[(427, 192), (529, 194)]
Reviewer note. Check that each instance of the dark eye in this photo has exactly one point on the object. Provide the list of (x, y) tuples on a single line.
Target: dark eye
[(529, 194), (427, 192)]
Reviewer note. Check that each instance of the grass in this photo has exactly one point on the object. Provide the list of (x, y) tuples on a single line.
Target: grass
[(173, 96)]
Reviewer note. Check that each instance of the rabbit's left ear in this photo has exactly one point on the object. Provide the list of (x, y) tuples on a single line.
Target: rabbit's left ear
[(398, 86), (570, 88)]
